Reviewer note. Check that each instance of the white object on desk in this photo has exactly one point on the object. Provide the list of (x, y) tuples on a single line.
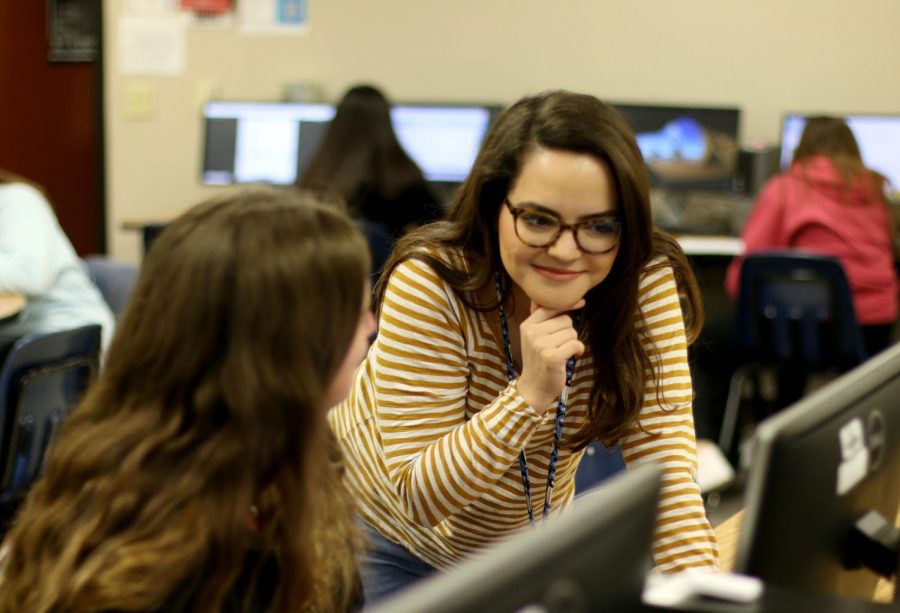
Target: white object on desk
[(713, 468), (685, 587), (710, 245)]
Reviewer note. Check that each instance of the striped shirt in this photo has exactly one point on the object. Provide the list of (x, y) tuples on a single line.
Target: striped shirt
[(432, 429)]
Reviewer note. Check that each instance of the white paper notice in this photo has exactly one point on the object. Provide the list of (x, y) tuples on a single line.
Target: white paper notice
[(149, 8), (273, 16), (152, 45)]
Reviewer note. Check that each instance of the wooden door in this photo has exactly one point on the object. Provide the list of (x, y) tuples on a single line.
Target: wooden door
[(50, 119)]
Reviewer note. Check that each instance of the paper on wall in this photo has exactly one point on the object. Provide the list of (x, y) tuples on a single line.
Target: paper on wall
[(273, 16), (152, 45), (149, 8)]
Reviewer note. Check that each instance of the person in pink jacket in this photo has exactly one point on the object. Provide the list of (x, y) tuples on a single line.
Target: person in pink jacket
[(828, 202)]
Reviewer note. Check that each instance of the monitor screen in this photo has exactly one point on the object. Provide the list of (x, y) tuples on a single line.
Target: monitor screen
[(592, 558), (686, 148), (878, 137), (261, 142), (817, 468), (252, 142)]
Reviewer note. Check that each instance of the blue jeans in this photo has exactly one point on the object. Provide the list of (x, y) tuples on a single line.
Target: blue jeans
[(386, 567)]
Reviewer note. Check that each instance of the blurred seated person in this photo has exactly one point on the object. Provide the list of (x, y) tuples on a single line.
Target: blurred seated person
[(199, 473), (829, 203), (361, 161), (38, 261)]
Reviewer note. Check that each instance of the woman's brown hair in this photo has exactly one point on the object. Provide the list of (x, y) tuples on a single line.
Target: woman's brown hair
[(210, 405), (831, 137), (578, 123), (360, 148)]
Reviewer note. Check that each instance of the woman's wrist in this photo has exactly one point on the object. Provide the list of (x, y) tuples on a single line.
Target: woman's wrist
[(537, 401)]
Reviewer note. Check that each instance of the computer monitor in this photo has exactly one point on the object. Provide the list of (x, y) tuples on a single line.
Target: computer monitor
[(592, 558), (878, 137), (253, 142), (686, 148), (261, 142), (817, 469)]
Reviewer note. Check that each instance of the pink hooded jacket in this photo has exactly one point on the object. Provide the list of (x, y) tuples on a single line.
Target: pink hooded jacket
[(808, 208)]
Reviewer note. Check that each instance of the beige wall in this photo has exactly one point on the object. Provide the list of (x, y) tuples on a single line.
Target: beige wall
[(764, 56)]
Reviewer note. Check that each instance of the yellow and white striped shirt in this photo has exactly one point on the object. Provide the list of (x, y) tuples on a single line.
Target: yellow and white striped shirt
[(432, 429)]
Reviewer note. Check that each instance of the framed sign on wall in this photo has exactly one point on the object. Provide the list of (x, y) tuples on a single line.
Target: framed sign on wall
[(73, 30)]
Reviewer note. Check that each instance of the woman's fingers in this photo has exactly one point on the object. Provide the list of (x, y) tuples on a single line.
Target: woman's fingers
[(548, 339)]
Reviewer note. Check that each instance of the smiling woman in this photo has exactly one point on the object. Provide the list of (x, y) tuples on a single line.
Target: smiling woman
[(544, 313)]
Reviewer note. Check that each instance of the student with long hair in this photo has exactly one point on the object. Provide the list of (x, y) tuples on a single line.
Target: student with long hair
[(199, 473), (828, 202), (361, 161), (544, 313)]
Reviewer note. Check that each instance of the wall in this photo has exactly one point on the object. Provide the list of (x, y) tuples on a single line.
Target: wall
[(764, 56)]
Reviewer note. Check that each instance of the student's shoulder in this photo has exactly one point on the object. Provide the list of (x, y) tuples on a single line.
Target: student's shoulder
[(426, 260), (22, 196)]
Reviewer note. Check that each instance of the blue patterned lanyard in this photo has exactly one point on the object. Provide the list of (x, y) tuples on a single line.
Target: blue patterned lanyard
[(560, 416)]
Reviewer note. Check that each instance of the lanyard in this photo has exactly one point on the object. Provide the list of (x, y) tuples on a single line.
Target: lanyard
[(560, 417)]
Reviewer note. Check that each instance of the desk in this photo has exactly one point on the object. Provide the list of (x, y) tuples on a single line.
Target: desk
[(728, 535), (11, 304), (722, 246)]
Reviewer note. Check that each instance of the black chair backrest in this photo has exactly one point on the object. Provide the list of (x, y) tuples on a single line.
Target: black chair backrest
[(796, 307), (42, 379)]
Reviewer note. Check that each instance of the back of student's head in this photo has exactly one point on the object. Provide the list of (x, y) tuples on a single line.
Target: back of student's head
[(360, 148), (211, 404), (829, 137)]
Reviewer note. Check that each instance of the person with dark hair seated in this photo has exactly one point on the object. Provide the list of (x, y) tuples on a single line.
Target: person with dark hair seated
[(829, 203), (361, 161)]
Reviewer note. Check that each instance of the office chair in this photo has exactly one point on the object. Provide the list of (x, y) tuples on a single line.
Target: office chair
[(795, 313), (116, 281), (41, 380)]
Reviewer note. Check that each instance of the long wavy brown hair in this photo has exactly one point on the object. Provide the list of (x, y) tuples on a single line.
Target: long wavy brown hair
[(832, 138), (583, 124), (360, 148), (210, 405)]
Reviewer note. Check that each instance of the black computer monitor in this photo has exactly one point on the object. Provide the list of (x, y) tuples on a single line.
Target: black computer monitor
[(686, 148), (592, 558), (260, 142), (878, 137), (818, 468), (267, 142)]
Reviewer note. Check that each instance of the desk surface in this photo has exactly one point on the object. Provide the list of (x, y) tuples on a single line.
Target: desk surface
[(696, 244), (728, 534), (11, 304)]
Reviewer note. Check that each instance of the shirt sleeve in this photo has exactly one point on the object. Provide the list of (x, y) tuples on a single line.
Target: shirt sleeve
[(665, 432), (437, 460), (26, 241)]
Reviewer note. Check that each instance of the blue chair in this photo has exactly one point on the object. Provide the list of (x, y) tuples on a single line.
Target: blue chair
[(794, 311), (42, 379), (116, 281)]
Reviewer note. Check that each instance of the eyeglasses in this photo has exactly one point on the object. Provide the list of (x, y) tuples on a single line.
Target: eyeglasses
[(538, 228)]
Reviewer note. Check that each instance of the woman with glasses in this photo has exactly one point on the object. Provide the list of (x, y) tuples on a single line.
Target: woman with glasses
[(544, 313)]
